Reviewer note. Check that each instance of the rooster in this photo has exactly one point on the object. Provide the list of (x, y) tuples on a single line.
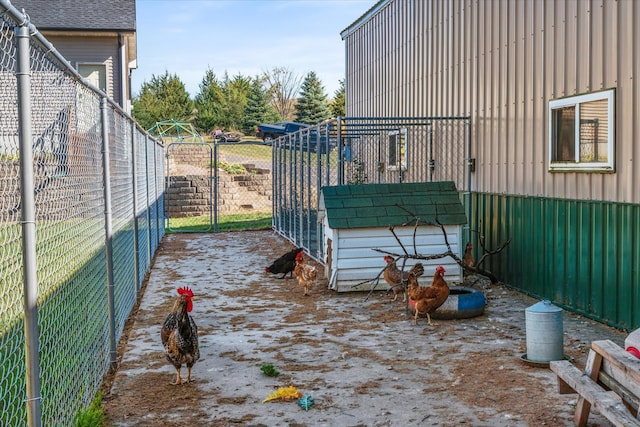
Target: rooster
[(306, 274), (285, 264), (180, 335), (428, 299), (397, 279)]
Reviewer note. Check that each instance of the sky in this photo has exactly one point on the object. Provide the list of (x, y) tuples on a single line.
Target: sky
[(246, 37)]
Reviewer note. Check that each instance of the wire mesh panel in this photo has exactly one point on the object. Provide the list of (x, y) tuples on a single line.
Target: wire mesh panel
[(357, 150), (303, 162), (70, 234), (71, 129), (121, 163), (143, 200)]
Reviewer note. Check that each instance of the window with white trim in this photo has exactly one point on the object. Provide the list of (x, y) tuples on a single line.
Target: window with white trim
[(581, 133), (398, 150), (96, 74)]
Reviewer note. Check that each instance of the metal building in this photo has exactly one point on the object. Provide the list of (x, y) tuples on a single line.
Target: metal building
[(553, 94)]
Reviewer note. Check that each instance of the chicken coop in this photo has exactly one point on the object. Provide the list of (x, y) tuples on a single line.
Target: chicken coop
[(356, 220)]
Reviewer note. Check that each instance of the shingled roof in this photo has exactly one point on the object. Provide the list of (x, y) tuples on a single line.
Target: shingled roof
[(378, 205), (80, 15)]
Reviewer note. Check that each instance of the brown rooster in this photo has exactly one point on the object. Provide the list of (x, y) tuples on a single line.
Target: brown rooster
[(428, 299), (180, 335), (306, 274), (395, 278), (285, 264)]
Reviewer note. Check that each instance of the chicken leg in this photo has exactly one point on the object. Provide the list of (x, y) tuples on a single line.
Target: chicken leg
[(189, 374), (178, 378)]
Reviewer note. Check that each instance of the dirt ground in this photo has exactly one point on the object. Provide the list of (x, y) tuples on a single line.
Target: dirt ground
[(364, 362)]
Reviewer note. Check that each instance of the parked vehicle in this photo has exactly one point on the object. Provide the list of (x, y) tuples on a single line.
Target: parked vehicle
[(268, 132), (219, 136)]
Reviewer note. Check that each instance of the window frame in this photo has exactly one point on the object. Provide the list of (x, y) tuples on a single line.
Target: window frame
[(101, 68), (576, 101)]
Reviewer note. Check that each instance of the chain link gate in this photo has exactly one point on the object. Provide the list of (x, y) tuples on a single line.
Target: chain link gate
[(188, 194), (218, 187), (243, 185)]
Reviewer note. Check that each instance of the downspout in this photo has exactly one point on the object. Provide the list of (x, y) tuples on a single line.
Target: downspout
[(122, 53)]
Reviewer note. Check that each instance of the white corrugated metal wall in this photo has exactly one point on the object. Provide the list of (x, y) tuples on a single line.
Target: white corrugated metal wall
[(501, 62)]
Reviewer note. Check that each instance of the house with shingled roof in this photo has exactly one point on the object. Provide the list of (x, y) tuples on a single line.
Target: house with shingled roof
[(97, 37), (356, 219)]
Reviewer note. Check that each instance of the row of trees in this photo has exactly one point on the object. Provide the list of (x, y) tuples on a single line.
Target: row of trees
[(238, 103)]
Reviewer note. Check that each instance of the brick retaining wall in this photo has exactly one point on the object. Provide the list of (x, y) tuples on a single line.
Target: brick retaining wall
[(188, 195)]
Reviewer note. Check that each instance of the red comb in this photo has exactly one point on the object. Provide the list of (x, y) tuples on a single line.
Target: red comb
[(299, 255), (185, 291), (440, 268)]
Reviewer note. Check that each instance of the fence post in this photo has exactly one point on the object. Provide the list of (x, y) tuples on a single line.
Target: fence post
[(27, 193), (106, 176), (470, 170), (136, 246), (159, 191), (148, 201)]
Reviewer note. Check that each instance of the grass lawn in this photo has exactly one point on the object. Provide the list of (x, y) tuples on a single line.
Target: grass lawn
[(234, 222)]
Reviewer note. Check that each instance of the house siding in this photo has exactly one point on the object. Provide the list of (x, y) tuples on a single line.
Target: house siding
[(95, 50)]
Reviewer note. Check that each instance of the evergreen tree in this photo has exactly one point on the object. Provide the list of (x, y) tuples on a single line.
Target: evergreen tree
[(312, 107), (163, 98), (338, 104), (258, 109), (209, 103), (236, 94)]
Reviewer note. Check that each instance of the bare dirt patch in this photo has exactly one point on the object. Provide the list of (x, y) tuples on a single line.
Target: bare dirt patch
[(364, 362)]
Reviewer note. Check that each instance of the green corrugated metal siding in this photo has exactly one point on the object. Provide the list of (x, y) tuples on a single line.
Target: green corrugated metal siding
[(583, 255)]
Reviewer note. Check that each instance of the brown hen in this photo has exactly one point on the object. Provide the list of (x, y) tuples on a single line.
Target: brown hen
[(467, 258), (428, 299), (395, 278), (306, 274)]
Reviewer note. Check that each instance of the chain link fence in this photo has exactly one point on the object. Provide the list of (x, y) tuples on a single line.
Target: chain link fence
[(360, 150), (81, 215)]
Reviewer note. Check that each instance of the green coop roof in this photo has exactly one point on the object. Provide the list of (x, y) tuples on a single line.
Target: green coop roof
[(379, 205)]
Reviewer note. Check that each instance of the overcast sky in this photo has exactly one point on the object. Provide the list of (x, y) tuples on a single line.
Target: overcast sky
[(247, 37)]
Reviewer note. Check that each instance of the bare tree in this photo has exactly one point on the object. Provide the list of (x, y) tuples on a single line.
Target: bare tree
[(283, 86), (417, 222)]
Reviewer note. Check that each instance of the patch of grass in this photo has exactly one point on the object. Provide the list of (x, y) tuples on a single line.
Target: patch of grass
[(233, 222), (269, 370), (233, 168), (251, 151), (93, 415)]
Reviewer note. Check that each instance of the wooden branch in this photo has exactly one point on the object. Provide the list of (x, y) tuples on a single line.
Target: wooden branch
[(448, 253)]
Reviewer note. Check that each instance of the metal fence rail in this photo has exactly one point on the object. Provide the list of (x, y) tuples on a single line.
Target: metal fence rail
[(81, 215), (359, 150)]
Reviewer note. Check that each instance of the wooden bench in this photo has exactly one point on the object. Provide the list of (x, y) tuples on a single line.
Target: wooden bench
[(609, 383)]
